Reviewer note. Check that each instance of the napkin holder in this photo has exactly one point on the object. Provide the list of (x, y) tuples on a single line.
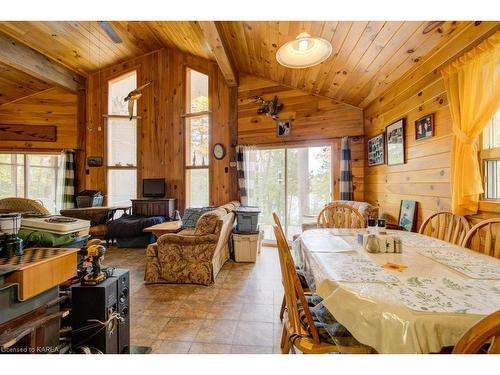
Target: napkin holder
[(381, 243)]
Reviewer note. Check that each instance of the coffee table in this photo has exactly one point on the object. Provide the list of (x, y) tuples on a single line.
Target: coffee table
[(164, 228)]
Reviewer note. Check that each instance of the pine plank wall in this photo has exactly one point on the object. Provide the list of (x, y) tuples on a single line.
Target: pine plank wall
[(317, 121), (425, 177)]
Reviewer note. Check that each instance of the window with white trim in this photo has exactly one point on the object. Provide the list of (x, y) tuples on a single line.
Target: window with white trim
[(33, 176), (197, 130), (121, 142), (490, 158)]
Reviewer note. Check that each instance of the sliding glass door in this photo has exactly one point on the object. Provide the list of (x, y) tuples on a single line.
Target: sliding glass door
[(294, 182)]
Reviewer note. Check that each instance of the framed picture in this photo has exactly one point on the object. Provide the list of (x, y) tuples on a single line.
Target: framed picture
[(376, 150), (395, 137), (424, 127), (283, 128), (408, 215), (94, 161)]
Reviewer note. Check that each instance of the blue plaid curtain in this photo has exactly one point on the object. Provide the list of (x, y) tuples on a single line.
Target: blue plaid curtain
[(346, 193)]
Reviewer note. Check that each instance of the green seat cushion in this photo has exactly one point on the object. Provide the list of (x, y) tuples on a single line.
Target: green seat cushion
[(42, 238)]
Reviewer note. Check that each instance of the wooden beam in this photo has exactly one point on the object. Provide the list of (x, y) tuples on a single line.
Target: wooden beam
[(214, 40), (34, 63)]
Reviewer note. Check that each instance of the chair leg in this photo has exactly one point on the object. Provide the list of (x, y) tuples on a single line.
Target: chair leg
[(282, 311), (285, 342)]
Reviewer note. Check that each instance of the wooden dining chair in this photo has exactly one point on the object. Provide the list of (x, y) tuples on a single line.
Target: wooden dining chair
[(480, 334), (339, 215), (299, 327), (303, 282), (484, 237), (445, 226)]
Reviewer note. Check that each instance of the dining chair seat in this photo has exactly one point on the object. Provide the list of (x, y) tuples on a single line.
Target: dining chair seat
[(329, 329)]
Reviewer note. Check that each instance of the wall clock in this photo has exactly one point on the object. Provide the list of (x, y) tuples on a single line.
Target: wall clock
[(219, 151)]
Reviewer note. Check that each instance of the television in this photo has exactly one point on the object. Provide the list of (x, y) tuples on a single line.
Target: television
[(153, 187)]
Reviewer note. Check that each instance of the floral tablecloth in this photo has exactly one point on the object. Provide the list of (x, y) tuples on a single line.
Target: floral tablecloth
[(465, 262)]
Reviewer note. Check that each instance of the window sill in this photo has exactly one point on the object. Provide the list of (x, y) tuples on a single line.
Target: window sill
[(489, 206)]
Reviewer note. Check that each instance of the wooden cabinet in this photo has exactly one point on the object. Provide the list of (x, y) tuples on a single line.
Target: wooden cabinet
[(153, 207)]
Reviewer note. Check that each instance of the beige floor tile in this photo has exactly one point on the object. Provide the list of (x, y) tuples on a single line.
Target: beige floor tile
[(170, 347), (225, 311), (181, 329), (204, 348), (191, 309), (217, 331), (252, 312), (254, 333)]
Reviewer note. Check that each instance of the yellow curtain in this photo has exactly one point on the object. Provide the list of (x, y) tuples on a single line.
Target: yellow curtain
[(472, 84)]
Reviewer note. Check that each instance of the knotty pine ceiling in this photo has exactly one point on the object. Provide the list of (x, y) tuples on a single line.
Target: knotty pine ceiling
[(367, 56)]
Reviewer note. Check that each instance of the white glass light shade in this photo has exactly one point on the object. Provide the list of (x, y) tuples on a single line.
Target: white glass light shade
[(304, 52)]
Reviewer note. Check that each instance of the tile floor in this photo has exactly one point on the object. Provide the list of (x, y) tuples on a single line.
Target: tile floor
[(236, 314)]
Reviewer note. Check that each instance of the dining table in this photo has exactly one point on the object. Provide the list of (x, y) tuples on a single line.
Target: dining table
[(418, 301)]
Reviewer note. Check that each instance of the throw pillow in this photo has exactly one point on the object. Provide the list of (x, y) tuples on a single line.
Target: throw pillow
[(191, 216), (207, 223)]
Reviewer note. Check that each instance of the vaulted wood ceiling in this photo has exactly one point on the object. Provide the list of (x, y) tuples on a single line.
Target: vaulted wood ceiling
[(15, 84), (367, 56)]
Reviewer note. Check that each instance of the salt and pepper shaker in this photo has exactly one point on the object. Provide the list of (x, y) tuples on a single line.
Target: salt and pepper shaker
[(372, 225), (381, 226), (398, 245)]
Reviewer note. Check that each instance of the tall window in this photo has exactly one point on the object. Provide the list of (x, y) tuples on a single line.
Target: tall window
[(34, 176), (490, 158), (121, 142), (197, 128)]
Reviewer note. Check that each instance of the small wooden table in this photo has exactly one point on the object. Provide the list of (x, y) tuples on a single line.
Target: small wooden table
[(164, 228)]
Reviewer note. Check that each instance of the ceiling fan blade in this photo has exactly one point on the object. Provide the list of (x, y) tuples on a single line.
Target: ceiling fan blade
[(108, 29)]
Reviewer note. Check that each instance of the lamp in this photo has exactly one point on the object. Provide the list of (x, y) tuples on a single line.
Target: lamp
[(304, 51)]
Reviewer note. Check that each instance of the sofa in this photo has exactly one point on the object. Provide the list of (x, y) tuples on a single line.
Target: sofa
[(367, 210), (194, 255)]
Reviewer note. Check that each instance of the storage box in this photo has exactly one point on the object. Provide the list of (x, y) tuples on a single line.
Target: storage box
[(89, 198), (247, 218), (246, 246)]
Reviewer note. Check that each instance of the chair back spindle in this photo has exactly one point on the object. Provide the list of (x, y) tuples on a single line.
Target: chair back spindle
[(484, 237), (338, 215), (445, 226)]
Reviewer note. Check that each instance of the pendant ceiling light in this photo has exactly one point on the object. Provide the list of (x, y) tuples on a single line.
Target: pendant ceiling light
[(303, 52)]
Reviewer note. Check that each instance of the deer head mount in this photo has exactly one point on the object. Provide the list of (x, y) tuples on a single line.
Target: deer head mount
[(270, 108)]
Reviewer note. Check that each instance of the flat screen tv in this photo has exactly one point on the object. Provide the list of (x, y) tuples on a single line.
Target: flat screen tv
[(153, 187)]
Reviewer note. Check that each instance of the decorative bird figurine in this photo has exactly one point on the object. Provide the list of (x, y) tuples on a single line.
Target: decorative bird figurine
[(132, 96), (270, 108)]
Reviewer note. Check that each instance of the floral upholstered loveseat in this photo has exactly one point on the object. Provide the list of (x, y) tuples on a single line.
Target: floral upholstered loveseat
[(192, 256)]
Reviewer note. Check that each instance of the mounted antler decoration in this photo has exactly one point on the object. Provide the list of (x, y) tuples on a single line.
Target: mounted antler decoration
[(270, 108)]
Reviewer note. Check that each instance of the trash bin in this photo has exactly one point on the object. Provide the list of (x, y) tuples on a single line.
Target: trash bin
[(89, 198), (247, 218), (246, 246)]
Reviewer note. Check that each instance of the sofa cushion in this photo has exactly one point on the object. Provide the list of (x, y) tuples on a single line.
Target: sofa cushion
[(207, 223), (191, 216)]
